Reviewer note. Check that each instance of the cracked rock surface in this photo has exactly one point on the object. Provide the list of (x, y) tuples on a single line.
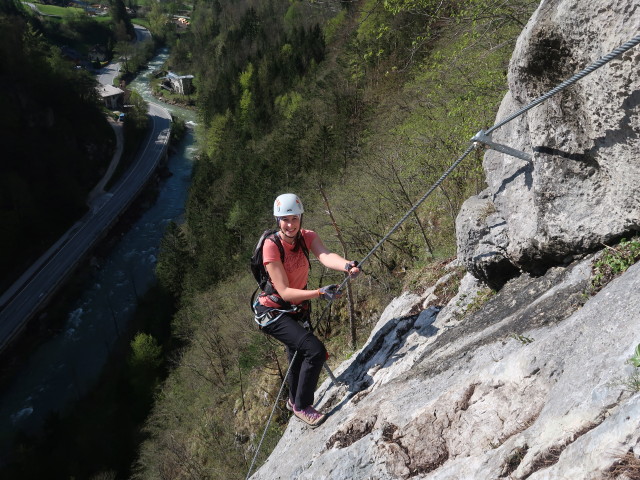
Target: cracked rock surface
[(531, 386)]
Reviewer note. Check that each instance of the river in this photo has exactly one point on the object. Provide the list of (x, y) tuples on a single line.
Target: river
[(67, 365)]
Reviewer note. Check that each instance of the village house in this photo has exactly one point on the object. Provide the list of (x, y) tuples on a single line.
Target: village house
[(182, 22), (111, 96), (97, 54), (71, 54)]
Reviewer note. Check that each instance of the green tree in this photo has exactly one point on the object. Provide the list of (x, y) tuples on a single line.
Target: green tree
[(9, 7), (124, 53), (122, 23), (159, 23), (146, 354), (136, 119), (144, 370), (173, 260)]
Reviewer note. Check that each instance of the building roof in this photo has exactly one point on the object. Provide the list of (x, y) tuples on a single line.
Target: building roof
[(108, 90)]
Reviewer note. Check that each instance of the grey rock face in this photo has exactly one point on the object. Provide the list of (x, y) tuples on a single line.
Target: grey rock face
[(530, 386), (580, 190)]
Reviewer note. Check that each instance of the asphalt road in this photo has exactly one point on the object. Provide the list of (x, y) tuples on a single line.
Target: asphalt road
[(108, 73), (142, 33), (41, 281)]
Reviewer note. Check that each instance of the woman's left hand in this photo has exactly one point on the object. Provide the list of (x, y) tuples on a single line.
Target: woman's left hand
[(352, 269)]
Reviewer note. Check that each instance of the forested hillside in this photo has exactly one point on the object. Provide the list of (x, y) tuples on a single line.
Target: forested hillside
[(364, 103), (55, 141)]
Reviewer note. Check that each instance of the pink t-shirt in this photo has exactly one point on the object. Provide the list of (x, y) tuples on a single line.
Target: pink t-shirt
[(296, 265)]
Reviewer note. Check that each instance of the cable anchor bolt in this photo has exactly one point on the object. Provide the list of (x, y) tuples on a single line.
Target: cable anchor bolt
[(482, 139)]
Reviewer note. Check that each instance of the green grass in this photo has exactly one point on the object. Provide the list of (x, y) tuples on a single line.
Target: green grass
[(103, 19), (141, 21), (632, 382), (58, 11), (613, 262), (635, 359)]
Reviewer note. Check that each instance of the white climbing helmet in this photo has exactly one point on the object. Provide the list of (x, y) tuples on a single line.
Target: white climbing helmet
[(287, 204)]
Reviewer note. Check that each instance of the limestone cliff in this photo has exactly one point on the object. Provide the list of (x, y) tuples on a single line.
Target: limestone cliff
[(535, 384), (580, 189)]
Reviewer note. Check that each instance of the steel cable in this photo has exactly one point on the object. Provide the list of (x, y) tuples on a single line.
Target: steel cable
[(275, 404)]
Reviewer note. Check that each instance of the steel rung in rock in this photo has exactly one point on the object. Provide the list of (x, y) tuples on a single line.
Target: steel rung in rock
[(484, 139)]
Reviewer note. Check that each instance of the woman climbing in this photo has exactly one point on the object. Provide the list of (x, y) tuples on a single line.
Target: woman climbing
[(282, 308)]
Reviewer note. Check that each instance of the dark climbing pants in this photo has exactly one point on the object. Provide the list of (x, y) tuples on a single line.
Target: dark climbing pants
[(305, 369)]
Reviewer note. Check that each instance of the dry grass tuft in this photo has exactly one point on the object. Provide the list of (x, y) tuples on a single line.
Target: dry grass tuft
[(551, 456), (513, 461), (626, 467)]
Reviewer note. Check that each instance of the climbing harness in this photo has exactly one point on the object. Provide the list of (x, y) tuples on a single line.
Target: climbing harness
[(270, 315), (481, 139)]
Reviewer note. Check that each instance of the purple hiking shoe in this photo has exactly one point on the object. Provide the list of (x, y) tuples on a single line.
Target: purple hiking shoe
[(310, 416)]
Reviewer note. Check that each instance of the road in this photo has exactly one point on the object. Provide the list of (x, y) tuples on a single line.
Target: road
[(38, 284), (142, 33), (110, 72)]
